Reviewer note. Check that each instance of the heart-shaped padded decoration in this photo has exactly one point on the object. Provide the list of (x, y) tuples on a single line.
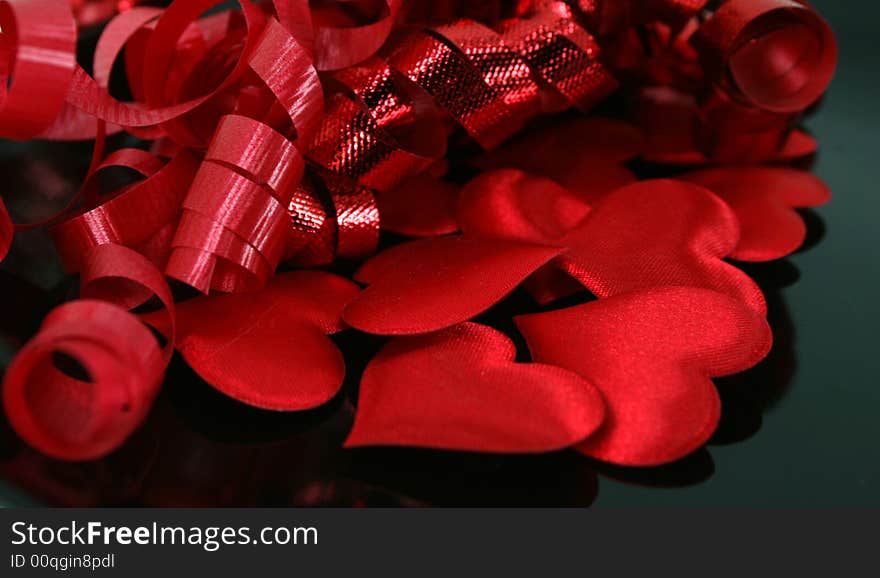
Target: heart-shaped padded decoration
[(270, 349), (431, 284), (512, 204), (658, 233), (764, 199), (460, 389), (651, 354)]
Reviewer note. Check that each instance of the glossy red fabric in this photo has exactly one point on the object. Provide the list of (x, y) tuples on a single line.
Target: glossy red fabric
[(431, 284), (650, 234), (228, 216), (651, 354), (246, 346), (460, 389), (512, 204), (764, 199)]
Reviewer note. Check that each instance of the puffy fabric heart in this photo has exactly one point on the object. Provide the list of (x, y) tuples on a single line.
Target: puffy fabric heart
[(431, 284), (270, 349), (651, 354), (513, 204), (460, 389), (656, 233), (764, 199)]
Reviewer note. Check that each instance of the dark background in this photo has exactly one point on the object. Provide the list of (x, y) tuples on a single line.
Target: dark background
[(802, 429)]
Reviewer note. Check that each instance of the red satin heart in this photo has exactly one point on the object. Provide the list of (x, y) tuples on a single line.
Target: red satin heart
[(763, 199), (656, 233), (460, 389), (651, 354), (512, 204), (431, 284), (270, 349)]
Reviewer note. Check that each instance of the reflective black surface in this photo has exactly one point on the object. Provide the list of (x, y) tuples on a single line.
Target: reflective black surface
[(801, 429)]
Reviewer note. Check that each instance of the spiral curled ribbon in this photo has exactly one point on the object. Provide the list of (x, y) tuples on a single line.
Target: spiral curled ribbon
[(489, 82), (776, 55), (94, 12), (118, 365), (754, 67)]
